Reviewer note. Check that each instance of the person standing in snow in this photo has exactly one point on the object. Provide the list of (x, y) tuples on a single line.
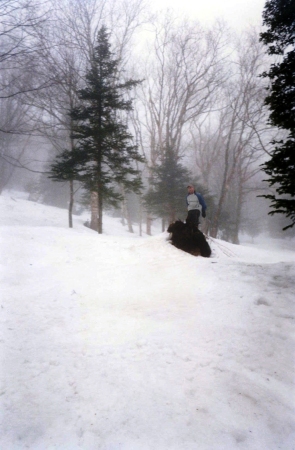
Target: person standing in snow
[(195, 205)]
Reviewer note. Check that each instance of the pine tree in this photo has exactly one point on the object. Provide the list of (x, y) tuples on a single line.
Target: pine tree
[(166, 196), (103, 154), (279, 17)]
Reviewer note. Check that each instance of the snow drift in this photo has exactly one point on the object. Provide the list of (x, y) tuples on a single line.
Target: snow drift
[(118, 342)]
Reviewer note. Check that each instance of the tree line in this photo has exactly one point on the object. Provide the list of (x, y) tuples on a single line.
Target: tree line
[(118, 102)]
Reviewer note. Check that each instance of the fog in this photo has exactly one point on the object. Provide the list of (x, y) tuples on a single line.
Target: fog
[(201, 100), (238, 14)]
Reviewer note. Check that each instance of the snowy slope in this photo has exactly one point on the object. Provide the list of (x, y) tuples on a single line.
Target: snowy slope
[(116, 342)]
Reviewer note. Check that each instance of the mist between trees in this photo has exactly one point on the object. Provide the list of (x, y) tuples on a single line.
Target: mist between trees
[(197, 115)]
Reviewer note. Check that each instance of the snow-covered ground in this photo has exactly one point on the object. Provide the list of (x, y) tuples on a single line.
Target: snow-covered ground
[(115, 342)]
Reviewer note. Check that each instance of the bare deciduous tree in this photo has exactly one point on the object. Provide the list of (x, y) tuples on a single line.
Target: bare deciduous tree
[(229, 145), (183, 75)]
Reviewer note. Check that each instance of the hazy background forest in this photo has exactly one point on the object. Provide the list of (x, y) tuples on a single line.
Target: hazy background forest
[(198, 114)]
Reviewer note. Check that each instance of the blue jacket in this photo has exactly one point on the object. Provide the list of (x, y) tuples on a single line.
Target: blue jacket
[(200, 198)]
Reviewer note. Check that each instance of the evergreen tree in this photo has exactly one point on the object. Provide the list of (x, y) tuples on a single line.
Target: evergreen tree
[(279, 17), (103, 154), (166, 196)]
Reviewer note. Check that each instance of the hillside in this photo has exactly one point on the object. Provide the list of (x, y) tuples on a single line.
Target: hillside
[(116, 342)]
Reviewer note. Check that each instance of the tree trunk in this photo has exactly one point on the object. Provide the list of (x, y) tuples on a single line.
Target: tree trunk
[(72, 146), (215, 221), (94, 211), (235, 236), (130, 227), (71, 204), (100, 202), (99, 186), (140, 220), (224, 189), (149, 225), (125, 211)]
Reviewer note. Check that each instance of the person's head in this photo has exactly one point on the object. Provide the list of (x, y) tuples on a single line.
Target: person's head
[(190, 188)]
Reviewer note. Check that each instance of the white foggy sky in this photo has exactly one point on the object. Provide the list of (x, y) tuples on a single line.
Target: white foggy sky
[(238, 13)]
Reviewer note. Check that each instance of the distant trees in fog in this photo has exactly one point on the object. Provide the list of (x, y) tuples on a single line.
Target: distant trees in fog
[(199, 110)]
